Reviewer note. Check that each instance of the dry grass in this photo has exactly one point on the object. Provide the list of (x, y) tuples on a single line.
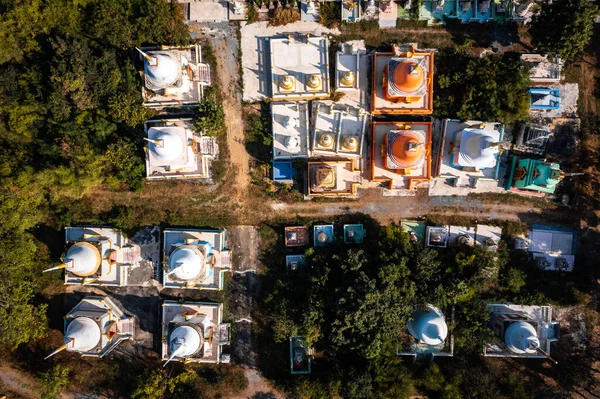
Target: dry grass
[(284, 16)]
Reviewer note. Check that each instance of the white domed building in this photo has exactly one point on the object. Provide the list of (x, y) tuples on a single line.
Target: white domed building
[(470, 158), (95, 326), (98, 256), (195, 259), (193, 332), (175, 150), (173, 76), (521, 331), (428, 334)]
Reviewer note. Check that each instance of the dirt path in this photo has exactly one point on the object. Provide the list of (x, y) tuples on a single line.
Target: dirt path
[(223, 38), (21, 384), (258, 387)]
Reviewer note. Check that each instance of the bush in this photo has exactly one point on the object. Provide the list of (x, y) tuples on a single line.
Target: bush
[(53, 382), (330, 13), (210, 116), (284, 16)]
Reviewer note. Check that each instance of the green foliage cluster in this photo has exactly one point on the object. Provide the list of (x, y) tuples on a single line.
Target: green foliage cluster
[(352, 304), (210, 116), (71, 118), (564, 28), (330, 13), (202, 383), (488, 89), (53, 382)]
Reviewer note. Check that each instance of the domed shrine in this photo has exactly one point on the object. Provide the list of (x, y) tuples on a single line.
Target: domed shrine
[(94, 327), (428, 334), (402, 81), (174, 150), (470, 158), (98, 256), (534, 175), (173, 76), (193, 332), (401, 154), (522, 331), (195, 259)]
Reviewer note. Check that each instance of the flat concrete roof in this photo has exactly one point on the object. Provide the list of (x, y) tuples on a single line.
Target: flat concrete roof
[(296, 132), (342, 123), (300, 57)]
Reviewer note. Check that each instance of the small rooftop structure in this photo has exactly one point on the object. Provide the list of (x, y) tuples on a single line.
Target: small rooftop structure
[(193, 332), (354, 233), (488, 236), (415, 230), (290, 130), (542, 69), (195, 259), (294, 262), (94, 327), (350, 11), (173, 76), (347, 68), (387, 13), (459, 235), (552, 248), (402, 81), (437, 236), (533, 138), (333, 179), (338, 130), (300, 356), (296, 236), (299, 67), (401, 153), (322, 234), (428, 335), (101, 256), (176, 151), (522, 331), (469, 158), (532, 175), (309, 10), (283, 172), (541, 98)]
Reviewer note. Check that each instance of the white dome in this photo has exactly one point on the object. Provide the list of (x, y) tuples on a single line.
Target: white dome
[(185, 341), (429, 327), (289, 122), (166, 71), (291, 142), (170, 145), (83, 335), (476, 149), (520, 337), (83, 259), (186, 263)]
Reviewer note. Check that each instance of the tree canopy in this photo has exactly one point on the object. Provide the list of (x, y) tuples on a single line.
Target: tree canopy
[(491, 89), (564, 28)]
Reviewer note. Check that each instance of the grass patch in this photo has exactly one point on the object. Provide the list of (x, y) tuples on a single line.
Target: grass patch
[(284, 16), (329, 14)]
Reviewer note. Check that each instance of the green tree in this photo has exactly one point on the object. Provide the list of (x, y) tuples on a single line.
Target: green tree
[(156, 384), (564, 27), (54, 381)]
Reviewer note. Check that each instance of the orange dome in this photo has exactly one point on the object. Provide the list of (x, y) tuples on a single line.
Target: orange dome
[(405, 78), (406, 150)]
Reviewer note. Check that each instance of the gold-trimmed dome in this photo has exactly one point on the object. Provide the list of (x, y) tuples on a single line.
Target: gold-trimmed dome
[(326, 140), (314, 81), (350, 143), (286, 83), (347, 78), (405, 149)]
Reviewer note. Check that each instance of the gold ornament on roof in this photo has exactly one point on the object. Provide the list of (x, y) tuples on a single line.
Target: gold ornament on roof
[(347, 78), (350, 143), (314, 82), (326, 140), (287, 83)]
